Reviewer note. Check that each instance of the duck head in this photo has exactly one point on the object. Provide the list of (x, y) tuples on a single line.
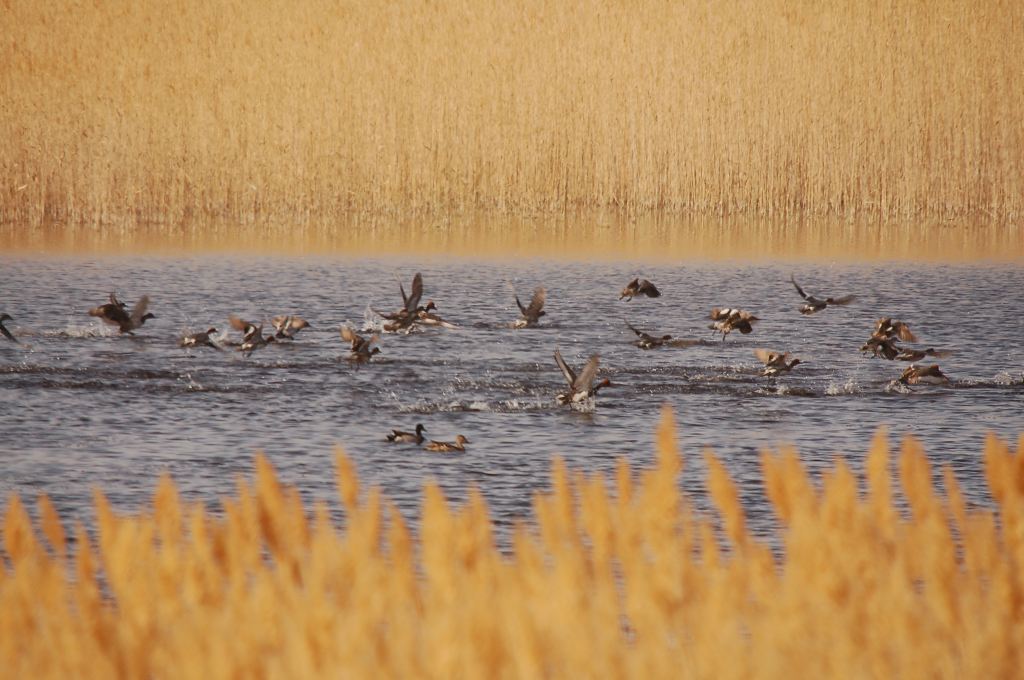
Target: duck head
[(420, 429), (147, 316), (211, 331), (461, 440), (5, 317)]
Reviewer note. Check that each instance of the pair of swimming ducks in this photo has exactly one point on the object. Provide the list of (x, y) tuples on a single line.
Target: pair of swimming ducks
[(416, 437)]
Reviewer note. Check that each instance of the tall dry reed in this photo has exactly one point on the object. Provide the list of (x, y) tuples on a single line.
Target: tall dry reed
[(618, 578), (167, 111)]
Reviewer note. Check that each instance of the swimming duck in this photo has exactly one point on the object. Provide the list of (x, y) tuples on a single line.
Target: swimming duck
[(400, 437), (458, 445), (530, 316), (814, 304), (288, 326), (201, 339), (639, 286), (931, 375), (907, 354), (729, 319), (252, 335), (775, 362), (881, 347), (6, 333), (361, 349), (116, 313), (887, 327), (581, 387)]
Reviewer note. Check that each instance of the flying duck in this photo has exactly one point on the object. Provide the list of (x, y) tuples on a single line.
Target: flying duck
[(581, 387), (6, 333), (775, 362), (116, 313), (201, 339), (814, 304), (288, 326), (458, 445), (530, 316), (361, 349), (728, 319), (400, 437), (252, 335), (931, 375), (639, 286)]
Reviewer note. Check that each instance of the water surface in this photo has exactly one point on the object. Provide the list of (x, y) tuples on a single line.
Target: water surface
[(83, 407)]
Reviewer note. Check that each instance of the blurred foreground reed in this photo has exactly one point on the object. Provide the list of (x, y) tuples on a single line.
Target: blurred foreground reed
[(613, 578), (167, 112)]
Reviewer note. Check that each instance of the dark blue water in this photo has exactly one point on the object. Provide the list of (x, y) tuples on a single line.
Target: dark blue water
[(81, 407)]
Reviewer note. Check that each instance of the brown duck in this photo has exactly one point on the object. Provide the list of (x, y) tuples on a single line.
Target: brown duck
[(115, 313), (639, 287)]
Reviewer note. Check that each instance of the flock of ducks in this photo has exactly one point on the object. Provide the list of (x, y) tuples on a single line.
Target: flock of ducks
[(581, 387)]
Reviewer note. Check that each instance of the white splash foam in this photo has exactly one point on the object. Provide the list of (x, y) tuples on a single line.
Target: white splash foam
[(849, 387)]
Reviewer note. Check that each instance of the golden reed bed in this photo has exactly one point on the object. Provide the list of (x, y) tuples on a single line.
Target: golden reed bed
[(167, 112), (614, 580)]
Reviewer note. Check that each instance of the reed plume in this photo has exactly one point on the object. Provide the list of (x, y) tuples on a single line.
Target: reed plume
[(611, 578)]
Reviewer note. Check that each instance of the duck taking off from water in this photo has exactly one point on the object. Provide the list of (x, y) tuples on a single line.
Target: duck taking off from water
[(530, 316), (645, 340), (7, 333), (288, 326), (639, 287), (881, 347), (729, 319), (400, 437), (201, 339), (458, 445), (252, 335), (929, 375), (115, 313), (775, 362), (361, 349), (581, 387), (815, 304)]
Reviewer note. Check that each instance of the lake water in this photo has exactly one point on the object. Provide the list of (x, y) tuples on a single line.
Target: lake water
[(81, 407)]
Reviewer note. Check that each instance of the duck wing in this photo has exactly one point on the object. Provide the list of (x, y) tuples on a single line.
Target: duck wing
[(649, 289), (240, 325), (413, 300), (796, 285), (903, 332), (522, 310), (351, 337), (139, 310), (630, 326), (585, 380), (7, 333), (570, 376), (540, 295), (768, 357), (281, 322)]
